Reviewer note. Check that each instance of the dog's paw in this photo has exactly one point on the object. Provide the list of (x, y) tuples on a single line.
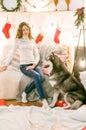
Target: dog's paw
[(76, 104)]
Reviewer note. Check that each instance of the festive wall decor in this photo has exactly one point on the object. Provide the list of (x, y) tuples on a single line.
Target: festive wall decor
[(39, 38), (56, 37), (5, 30), (39, 5), (10, 5), (55, 3), (80, 14), (68, 3)]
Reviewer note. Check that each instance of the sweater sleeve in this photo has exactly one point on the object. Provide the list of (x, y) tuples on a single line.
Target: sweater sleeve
[(10, 54), (36, 54)]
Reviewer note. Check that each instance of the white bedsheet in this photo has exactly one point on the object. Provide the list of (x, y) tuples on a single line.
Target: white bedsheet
[(36, 118)]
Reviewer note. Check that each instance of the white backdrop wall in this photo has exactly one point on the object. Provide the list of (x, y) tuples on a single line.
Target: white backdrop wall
[(45, 22)]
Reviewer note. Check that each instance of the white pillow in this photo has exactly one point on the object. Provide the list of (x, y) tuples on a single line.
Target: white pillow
[(79, 114), (9, 84)]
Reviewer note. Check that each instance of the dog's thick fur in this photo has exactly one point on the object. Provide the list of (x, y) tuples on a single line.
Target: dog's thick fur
[(65, 84)]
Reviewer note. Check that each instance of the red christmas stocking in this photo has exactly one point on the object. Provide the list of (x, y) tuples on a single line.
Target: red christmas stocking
[(56, 37), (5, 30), (39, 38)]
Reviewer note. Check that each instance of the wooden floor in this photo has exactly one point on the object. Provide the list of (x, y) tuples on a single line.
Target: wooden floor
[(15, 102)]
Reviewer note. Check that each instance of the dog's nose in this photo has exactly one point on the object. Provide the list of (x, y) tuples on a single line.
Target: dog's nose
[(46, 66)]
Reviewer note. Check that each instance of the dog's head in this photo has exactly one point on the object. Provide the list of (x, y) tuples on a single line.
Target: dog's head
[(55, 61), (54, 64)]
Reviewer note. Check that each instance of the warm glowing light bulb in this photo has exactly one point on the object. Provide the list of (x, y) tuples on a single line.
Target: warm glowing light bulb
[(82, 63)]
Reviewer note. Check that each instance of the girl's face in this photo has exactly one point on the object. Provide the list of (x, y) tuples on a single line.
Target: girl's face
[(25, 30)]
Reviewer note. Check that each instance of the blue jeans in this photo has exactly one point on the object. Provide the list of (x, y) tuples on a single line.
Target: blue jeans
[(38, 77)]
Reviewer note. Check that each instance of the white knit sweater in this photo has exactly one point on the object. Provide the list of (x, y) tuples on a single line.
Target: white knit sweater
[(28, 52)]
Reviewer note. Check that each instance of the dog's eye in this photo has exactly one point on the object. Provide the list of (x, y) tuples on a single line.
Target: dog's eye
[(52, 57), (48, 58)]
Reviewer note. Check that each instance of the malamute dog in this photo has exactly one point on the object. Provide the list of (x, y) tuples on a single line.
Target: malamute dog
[(66, 85)]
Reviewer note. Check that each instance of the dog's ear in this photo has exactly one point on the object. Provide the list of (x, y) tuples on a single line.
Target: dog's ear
[(51, 56), (53, 53)]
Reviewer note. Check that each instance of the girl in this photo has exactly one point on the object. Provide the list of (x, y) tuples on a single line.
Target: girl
[(29, 59)]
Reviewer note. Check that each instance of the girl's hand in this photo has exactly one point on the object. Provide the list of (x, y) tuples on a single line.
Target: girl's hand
[(3, 68), (30, 67)]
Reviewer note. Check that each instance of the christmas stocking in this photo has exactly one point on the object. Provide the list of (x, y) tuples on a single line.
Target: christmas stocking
[(5, 30), (56, 37), (39, 38)]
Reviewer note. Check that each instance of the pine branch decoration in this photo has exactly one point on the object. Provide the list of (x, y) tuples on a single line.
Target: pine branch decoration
[(80, 16)]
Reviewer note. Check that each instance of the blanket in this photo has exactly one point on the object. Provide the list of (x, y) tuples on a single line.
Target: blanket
[(36, 118), (34, 95)]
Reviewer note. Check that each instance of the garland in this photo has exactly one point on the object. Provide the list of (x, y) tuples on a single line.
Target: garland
[(80, 16), (32, 5), (13, 9)]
